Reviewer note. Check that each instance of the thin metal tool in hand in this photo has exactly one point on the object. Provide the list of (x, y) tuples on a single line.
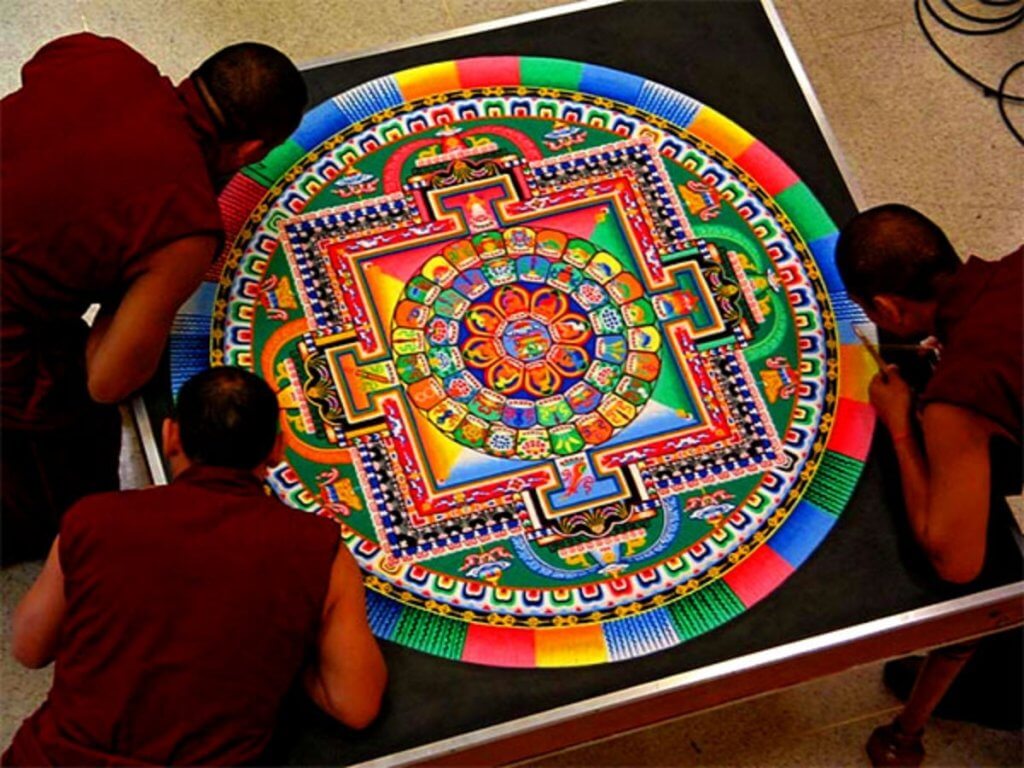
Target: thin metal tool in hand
[(873, 351)]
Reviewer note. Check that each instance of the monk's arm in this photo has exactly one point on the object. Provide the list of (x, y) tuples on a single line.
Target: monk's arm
[(945, 480), (125, 345), (348, 677), (893, 401), (915, 480), (39, 614), (953, 525)]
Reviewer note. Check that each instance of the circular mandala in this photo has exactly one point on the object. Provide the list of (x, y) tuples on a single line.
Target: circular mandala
[(555, 345), (525, 344)]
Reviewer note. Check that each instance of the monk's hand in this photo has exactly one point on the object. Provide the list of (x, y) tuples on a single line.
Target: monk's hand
[(892, 399)]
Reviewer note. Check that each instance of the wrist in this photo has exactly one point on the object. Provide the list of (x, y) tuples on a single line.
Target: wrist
[(901, 437), (899, 430)]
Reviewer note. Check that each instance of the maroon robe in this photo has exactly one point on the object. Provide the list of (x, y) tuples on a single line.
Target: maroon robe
[(101, 162), (190, 611), (980, 323)]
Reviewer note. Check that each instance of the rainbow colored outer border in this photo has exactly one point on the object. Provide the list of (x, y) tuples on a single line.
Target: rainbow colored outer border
[(849, 434)]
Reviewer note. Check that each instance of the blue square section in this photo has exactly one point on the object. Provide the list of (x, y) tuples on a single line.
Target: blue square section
[(320, 124), (610, 83), (382, 613), (802, 532), (824, 250), (849, 314), (640, 634), (190, 354), (667, 103), (369, 98), (189, 343)]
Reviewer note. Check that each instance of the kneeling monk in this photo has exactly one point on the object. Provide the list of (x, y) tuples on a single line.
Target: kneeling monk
[(180, 615)]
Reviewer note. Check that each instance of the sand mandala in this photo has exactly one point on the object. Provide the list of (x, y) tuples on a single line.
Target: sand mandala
[(561, 349)]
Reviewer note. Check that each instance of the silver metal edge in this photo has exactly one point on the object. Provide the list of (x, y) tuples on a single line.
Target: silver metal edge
[(154, 462), (812, 101), (437, 750), (471, 29)]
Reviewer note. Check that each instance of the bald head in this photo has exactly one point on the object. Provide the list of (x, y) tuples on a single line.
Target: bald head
[(227, 417), (893, 249), (258, 90)]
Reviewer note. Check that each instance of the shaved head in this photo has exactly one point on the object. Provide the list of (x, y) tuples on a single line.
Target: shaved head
[(227, 417), (893, 249), (257, 89)]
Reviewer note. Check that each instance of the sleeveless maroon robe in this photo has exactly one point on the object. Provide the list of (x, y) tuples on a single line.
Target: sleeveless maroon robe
[(980, 323), (101, 162), (190, 610)]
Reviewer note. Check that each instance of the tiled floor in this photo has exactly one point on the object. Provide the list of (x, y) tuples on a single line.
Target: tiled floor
[(909, 130), (824, 722)]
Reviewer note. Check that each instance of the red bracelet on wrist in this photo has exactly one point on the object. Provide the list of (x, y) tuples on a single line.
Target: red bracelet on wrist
[(900, 437)]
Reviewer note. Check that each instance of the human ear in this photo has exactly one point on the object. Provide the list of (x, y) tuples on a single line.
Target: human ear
[(170, 437), (889, 312)]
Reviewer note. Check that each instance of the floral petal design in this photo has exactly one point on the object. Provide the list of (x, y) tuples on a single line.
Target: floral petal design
[(526, 344)]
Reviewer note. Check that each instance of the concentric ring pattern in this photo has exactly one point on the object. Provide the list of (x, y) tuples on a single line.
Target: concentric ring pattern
[(562, 350)]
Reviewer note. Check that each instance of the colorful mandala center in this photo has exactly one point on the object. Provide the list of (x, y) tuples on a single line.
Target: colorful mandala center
[(526, 339), (519, 350)]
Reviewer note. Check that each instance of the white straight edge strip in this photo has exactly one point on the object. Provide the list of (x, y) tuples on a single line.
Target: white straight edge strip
[(149, 447), (471, 29), (812, 101), (437, 750)]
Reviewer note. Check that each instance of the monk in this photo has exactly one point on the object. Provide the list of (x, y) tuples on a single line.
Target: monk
[(179, 616), (109, 175), (901, 268)]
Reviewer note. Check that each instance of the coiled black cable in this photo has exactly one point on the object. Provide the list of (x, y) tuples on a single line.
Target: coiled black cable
[(1013, 17), (990, 25)]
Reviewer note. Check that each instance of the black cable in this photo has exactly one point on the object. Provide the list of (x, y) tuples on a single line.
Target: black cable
[(986, 89), (1014, 16), (1001, 101), (1004, 22)]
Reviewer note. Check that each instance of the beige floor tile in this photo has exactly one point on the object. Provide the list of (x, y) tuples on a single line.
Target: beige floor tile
[(987, 57), (950, 743), (21, 690), (795, 21), (465, 12), (178, 34), (913, 131), (910, 129), (838, 18), (946, 744), (28, 25), (762, 731), (982, 231), (824, 722)]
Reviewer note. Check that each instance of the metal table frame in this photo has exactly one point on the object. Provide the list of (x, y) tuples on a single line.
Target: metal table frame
[(649, 704), (633, 708)]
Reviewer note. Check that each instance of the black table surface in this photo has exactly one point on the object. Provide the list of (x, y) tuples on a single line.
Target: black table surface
[(725, 54)]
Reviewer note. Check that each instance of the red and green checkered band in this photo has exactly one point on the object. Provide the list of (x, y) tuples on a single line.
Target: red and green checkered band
[(563, 350)]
